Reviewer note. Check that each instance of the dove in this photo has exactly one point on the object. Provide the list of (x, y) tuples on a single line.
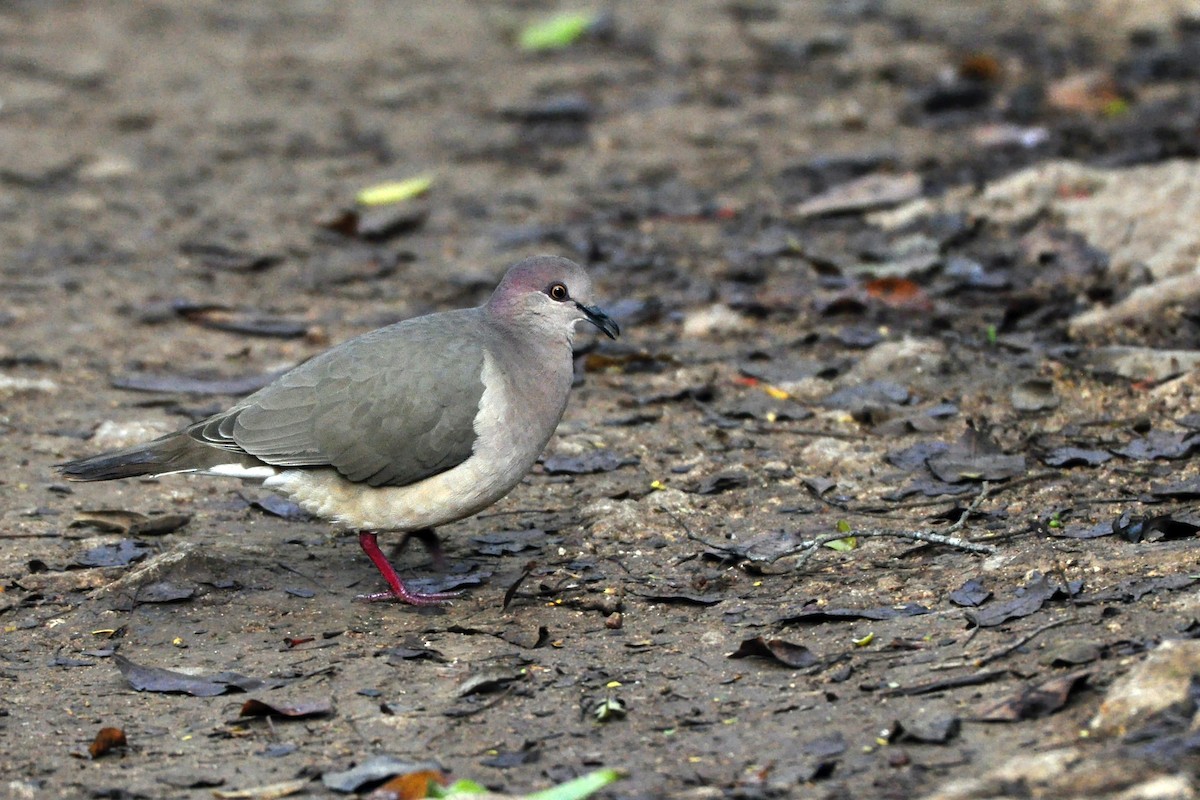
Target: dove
[(402, 429)]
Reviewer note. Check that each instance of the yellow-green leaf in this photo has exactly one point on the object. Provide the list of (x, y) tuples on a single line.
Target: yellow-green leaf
[(556, 32), (843, 545), (385, 194), (459, 787), (579, 788), (1116, 108)]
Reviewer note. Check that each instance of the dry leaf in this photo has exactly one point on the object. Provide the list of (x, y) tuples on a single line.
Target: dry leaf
[(106, 740)]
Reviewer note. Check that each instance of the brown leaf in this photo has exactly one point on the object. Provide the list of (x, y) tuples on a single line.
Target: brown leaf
[(1087, 92), (671, 594), (511, 591), (946, 684), (114, 520), (788, 653), (721, 482), (255, 707), (271, 791), (959, 466), (980, 67), (809, 615), (155, 679), (1026, 600), (248, 322), (114, 554), (106, 740), (385, 222), (1033, 702), (897, 292), (342, 220), (379, 223), (590, 462), (192, 384), (373, 771), (226, 259), (410, 786)]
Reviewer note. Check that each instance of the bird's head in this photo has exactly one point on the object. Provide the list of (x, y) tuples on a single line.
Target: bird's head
[(548, 292)]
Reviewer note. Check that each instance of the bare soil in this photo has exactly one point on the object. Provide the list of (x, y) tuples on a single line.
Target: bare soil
[(170, 166)]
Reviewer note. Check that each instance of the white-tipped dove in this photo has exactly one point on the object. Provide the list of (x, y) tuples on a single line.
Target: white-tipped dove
[(402, 429)]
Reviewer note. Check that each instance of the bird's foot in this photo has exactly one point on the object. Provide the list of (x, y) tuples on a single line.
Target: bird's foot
[(406, 595), (397, 591)]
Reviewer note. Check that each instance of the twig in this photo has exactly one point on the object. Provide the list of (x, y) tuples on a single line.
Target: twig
[(849, 437), (984, 489), (720, 548), (1024, 640), (1007, 649), (806, 549), (512, 511), (470, 712), (951, 683)]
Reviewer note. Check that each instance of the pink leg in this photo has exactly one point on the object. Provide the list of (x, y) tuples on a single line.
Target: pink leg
[(367, 540)]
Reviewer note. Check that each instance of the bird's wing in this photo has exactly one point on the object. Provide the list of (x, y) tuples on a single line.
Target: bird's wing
[(388, 408)]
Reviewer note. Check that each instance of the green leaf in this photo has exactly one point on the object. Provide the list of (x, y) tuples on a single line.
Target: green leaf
[(385, 194), (556, 32), (579, 788), (1116, 108), (843, 545), (458, 787)]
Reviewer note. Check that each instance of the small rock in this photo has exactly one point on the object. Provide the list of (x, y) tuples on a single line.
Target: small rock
[(714, 319), (106, 167), (829, 456), (907, 357), (1140, 363), (612, 518), (672, 500), (113, 435), (1161, 680), (1071, 653), (10, 386), (868, 193), (1034, 395)]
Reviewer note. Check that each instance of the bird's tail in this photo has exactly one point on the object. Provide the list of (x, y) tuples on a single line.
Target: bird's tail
[(175, 452)]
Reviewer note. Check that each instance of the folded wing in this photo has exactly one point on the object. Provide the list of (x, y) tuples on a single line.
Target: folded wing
[(389, 408)]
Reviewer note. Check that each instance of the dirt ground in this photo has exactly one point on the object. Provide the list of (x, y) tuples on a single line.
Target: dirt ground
[(178, 182)]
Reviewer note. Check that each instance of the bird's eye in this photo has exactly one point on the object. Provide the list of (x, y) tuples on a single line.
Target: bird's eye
[(558, 291)]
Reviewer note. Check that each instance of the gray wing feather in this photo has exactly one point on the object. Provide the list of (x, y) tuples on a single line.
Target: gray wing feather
[(389, 408)]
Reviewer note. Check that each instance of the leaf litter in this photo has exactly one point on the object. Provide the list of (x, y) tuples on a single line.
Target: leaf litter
[(674, 232), (156, 679)]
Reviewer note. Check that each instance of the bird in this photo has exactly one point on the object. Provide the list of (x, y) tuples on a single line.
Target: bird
[(402, 429)]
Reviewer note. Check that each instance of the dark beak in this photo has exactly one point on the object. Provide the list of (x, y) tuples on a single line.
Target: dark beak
[(600, 320)]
